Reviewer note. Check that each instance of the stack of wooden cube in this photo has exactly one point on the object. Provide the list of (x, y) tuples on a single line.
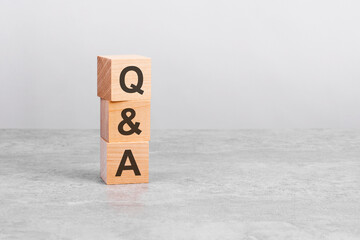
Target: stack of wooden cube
[(124, 86)]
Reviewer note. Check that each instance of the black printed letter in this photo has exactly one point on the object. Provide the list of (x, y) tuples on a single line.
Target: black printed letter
[(133, 166), (134, 88)]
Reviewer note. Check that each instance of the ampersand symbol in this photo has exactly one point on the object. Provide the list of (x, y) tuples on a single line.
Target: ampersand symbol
[(134, 128), (134, 88)]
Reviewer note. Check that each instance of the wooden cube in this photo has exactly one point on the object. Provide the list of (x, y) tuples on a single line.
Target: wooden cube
[(124, 162), (124, 77), (127, 121)]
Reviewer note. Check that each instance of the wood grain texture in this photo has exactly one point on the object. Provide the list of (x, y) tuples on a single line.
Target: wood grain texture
[(111, 156), (104, 119), (104, 77), (103, 158), (109, 69), (111, 116)]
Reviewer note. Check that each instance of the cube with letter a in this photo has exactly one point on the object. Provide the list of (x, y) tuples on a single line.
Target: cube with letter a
[(124, 162), (124, 77)]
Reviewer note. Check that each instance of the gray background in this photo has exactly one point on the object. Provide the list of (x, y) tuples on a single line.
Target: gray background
[(225, 64)]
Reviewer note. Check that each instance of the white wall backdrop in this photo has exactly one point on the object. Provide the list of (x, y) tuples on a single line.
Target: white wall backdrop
[(216, 64)]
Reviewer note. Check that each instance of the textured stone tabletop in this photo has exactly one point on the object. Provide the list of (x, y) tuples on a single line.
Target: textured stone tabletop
[(244, 184)]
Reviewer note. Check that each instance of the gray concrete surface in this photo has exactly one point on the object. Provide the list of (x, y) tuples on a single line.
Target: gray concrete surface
[(245, 184)]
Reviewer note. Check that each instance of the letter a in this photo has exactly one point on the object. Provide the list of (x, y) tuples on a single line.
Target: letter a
[(133, 166)]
